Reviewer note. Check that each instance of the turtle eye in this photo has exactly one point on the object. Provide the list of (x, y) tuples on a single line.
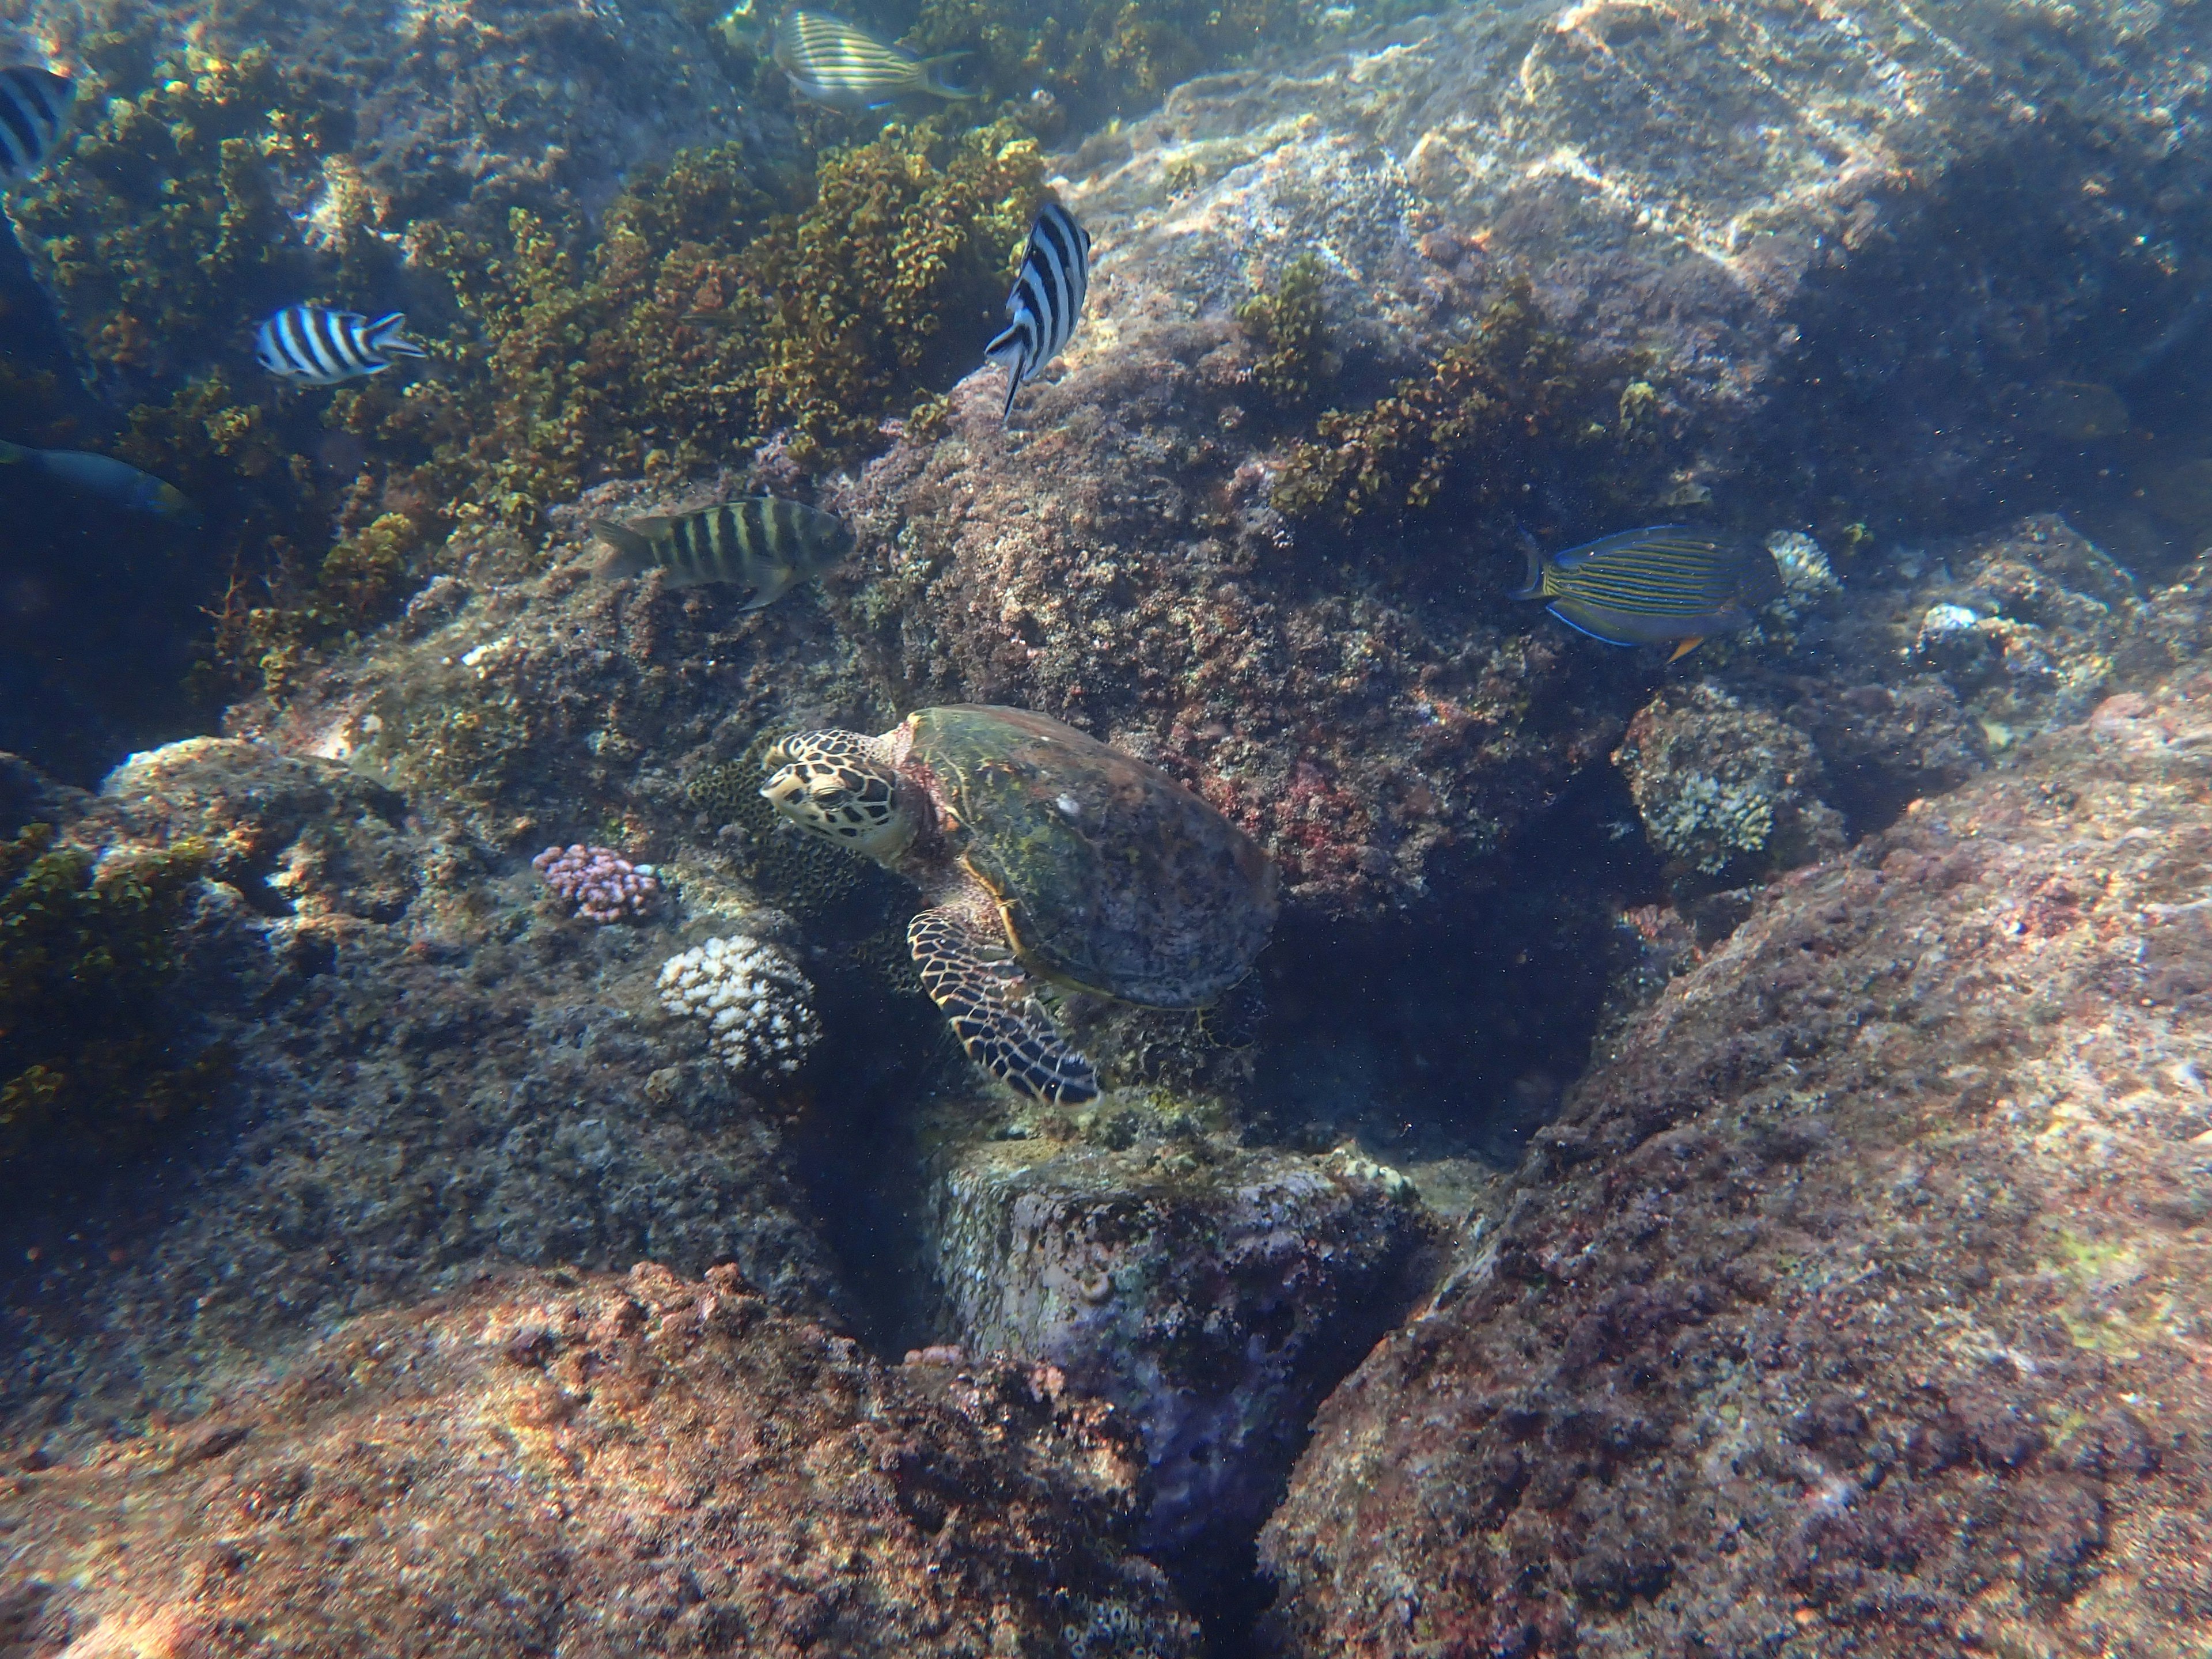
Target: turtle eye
[(826, 790)]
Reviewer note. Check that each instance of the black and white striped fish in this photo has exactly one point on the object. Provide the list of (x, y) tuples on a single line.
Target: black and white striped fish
[(34, 107), (316, 347), (1048, 299), (762, 544), (832, 62)]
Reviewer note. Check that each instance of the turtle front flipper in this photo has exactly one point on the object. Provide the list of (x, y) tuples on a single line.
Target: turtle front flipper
[(985, 995)]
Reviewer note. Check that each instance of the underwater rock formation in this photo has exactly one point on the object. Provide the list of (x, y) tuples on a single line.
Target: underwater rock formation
[(1857, 1302), (1725, 788), (589, 1464), (1566, 289), (1213, 1294), (424, 1071)]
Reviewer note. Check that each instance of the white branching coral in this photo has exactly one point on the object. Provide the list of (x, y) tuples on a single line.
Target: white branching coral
[(758, 1006)]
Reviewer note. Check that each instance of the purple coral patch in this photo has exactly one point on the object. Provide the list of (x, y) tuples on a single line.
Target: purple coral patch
[(597, 882)]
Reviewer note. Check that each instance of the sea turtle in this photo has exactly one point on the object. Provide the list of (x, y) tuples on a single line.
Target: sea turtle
[(1046, 857)]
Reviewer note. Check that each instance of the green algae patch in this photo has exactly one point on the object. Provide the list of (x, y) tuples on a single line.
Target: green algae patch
[(88, 1068), (1286, 323), (705, 319), (1514, 402)]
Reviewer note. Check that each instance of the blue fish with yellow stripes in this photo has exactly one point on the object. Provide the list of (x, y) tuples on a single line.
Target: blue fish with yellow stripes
[(1666, 583), (832, 62)]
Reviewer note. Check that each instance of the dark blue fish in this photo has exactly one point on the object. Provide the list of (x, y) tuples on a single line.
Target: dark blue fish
[(34, 107), (316, 347), (1664, 584), (114, 482), (1047, 302)]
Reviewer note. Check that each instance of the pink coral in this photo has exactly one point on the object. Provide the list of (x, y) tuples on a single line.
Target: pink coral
[(597, 882)]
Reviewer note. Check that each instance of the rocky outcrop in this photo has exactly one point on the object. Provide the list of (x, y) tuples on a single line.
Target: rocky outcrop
[(425, 1067), (1213, 1294), (1855, 1303), (589, 1464)]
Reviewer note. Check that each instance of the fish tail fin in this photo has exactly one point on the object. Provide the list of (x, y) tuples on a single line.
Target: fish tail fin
[(937, 76), (1007, 350), (628, 553), (389, 333), (16, 452), (171, 503), (1685, 648), (1532, 585)]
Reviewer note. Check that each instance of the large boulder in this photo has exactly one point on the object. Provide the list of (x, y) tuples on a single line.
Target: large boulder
[(1854, 1303), (588, 1464)]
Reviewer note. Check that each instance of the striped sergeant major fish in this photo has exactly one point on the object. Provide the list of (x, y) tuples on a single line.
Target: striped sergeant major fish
[(117, 483), (316, 347), (762, 544), (832, 62), (34, 107), (1664, 584), (1047, 302)]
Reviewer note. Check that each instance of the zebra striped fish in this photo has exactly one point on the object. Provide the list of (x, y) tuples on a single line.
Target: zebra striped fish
[(762, 544), (316, 347), (1047, 302), (1664, 584), (34, 107), (836, 63)]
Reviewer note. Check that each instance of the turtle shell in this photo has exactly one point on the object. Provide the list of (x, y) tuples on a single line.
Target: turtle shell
[(1110, 875)]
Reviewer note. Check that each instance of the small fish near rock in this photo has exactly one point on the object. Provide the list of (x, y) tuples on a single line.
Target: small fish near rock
[(117, 483), (1047, 302), (840, 64), (1664, 584), (34, 111), (313, 346), (763, 543)]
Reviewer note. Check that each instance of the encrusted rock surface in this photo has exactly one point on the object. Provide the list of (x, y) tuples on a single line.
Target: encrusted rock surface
[(1858, 1302), (593, 1465), (1713, 204), (1213, 1294), (427, 1071)]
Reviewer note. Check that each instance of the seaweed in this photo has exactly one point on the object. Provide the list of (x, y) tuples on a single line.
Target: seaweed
[(89, 1066), (1287, 323), (1514, 401)]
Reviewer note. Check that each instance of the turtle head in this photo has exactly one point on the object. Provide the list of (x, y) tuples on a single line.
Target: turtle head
[(842, 786)]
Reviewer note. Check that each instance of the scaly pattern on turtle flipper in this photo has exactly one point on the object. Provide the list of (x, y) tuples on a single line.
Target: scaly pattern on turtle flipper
[(984, 995)]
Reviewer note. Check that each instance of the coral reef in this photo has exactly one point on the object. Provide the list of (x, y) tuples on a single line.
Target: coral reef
[(1726, 790), (601, 1464), (1855, 1303), (597, 882), (426, 1074), (1213, 1294), (755, 1002), (91, 1063)]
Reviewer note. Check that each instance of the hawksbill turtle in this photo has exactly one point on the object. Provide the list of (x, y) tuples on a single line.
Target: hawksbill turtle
[(1046, 857)]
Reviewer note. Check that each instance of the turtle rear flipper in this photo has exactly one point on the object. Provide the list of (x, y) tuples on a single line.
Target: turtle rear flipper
[(997, 1022)]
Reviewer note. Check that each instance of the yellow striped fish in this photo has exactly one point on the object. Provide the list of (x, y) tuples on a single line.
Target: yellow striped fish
[(839, 64), (1664, 583), (762, 544)]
